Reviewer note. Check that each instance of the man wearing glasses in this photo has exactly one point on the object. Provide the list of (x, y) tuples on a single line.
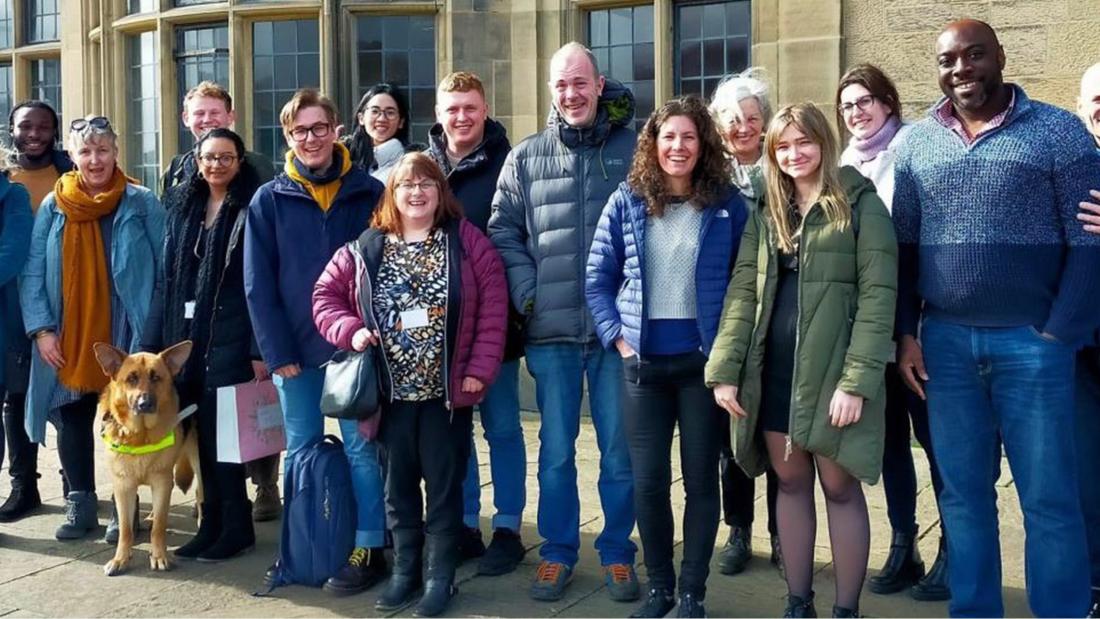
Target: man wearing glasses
[(295, 224)]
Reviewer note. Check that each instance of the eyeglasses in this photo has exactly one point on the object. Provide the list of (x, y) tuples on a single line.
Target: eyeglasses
[(861, 103), (390, 113), (424, 186), (95, 123), (224, 159), (319, 130)]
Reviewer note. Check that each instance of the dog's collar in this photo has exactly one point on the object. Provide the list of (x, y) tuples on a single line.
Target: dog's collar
[(137, 450)]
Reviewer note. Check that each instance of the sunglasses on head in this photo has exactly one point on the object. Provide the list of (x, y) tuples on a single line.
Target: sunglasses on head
[(96, 123)]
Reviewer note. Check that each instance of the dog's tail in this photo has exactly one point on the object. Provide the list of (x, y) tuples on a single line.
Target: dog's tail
[(184, 473)]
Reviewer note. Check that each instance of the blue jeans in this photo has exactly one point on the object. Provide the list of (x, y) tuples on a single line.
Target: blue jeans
[(560, 371), (989, 386), (507, 455), (1088, 458), (300, 398)]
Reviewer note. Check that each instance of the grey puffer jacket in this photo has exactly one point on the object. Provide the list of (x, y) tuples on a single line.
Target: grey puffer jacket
[(549, 198)]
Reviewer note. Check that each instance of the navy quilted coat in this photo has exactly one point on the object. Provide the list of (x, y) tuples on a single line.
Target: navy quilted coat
[(615, 284)]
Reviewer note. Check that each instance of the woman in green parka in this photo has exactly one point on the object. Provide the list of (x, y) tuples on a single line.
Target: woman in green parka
[(802, 345)]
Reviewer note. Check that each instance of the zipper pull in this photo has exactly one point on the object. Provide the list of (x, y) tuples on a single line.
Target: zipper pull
[(788, 449)]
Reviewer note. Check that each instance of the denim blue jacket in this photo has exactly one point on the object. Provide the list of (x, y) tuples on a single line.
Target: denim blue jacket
[(15, 235), (137, 246)]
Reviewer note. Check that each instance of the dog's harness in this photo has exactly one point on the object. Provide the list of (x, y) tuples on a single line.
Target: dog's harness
[(140, 450)]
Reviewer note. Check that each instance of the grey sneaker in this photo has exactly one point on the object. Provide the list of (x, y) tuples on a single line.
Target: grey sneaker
[(622, 582), (80, 516), (550, 581)]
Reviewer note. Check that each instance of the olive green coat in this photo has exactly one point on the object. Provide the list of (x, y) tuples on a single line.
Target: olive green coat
[(847, 288)]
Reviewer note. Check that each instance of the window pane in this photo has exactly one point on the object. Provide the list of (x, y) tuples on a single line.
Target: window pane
[(199, 58), (5, 100), (142, 6), (143, 97), (400, 50), (46, 81), (285, 58), (712, 41), (7, 27), (621, 41), (42, 21)]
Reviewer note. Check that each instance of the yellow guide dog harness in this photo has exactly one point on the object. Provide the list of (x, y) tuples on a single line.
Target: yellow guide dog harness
[(164, 443)]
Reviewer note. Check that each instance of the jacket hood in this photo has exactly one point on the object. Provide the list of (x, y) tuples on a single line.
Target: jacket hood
[(854, 184), (495, 136), (615, 108)]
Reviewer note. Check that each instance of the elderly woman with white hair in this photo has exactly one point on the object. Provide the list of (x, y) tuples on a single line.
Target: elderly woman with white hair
[(742, 108), (95, 250)]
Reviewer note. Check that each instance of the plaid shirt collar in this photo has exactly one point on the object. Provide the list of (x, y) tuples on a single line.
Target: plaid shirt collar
[(944, 113)]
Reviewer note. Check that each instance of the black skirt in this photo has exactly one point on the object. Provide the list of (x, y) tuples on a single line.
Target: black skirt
[(779, 349)]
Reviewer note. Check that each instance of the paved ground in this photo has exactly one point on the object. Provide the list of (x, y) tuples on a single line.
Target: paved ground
[(41, 577)]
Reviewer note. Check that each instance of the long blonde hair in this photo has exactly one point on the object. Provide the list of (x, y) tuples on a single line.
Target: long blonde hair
[(780, 190)]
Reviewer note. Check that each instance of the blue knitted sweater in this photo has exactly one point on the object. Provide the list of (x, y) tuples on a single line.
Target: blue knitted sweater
[(988, 234)]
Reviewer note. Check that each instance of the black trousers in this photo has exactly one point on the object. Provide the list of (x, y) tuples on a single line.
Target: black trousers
[(76, 443), (222, 482), (425, 441), (660, 393), (22, 452), (739, 491), (899, 476)]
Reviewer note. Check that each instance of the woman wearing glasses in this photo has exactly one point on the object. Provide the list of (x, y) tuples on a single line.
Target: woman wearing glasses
[(294, 225), (868, 107), (201, 298), (381, 131), (96, 245), (438, 310)]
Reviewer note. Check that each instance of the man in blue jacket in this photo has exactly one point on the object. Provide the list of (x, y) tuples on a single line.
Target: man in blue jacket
[(295, 224), (549, 198), (471, 148)]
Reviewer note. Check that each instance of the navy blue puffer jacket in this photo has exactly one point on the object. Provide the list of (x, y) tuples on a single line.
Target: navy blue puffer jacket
[(615, 283)]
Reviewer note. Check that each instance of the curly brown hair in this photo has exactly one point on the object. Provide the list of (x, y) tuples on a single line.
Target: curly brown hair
[(711, 177)]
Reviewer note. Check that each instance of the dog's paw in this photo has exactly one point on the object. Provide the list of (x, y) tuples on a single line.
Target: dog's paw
[(115, 566), (159, 562)]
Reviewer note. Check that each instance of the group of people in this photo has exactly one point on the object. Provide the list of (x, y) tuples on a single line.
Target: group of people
[(730, 273)]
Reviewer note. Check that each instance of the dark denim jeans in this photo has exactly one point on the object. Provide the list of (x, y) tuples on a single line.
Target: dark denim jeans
[(989, 386), (560, 371), (899, 475), (1088, 451)]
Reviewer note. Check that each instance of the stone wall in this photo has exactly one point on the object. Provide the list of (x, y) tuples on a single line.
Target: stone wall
[(1048, 43)]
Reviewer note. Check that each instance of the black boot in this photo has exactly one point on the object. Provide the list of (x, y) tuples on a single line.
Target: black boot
[(365, 568), (470, 545), (1094, 609), (236, 535), (442, 558), (934, 586), (800, 607), (405, 581), (903, 567), (839, 611), (736, 554), (210, 527), (24, 499)]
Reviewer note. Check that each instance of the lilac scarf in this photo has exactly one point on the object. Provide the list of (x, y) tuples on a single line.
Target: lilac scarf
[(866, 149)]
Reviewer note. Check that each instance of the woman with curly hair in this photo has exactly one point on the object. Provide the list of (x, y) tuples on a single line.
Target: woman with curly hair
[(657, 273)]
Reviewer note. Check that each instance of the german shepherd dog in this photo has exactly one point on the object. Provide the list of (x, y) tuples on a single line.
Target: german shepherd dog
[(138, 411)]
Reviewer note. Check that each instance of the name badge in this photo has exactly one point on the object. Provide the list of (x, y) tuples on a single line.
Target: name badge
[(189, 310), (414, 318)]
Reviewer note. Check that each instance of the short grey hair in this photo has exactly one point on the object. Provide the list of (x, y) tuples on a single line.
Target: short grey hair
[(76, 139), (751, 83), (575, 47)]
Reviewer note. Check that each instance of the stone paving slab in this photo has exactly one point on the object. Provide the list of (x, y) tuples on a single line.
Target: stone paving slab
[(42, 577)]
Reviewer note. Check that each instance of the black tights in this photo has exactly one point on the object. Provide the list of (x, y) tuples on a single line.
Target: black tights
[(75, 443), (849, 528)]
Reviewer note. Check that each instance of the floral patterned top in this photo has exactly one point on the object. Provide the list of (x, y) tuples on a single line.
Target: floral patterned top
[(412, 282)]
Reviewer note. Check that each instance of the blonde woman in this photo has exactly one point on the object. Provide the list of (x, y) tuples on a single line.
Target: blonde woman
[(812, 296)]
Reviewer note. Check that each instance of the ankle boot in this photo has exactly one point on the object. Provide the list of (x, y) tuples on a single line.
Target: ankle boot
[(111, 535), (209, 528), (405, 580), (80, 515), (934, 586), (439, 588), (903, 567), (235, 536), (840, 611), (24, 499), (265, 474), (800, 607)]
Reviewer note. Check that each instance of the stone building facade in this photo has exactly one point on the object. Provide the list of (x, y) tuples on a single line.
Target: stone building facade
[(133, 59)]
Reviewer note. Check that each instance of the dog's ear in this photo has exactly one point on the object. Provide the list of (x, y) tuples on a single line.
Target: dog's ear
[(109, 357), (176, 356)]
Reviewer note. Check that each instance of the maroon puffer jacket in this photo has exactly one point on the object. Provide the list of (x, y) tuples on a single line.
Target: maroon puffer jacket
[(477, 306)]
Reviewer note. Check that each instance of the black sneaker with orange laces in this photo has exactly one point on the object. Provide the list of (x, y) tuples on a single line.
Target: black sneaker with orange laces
[(551, 578), (622, 582)]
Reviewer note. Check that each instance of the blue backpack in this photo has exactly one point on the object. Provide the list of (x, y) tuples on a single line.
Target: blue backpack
[(319, 515)]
